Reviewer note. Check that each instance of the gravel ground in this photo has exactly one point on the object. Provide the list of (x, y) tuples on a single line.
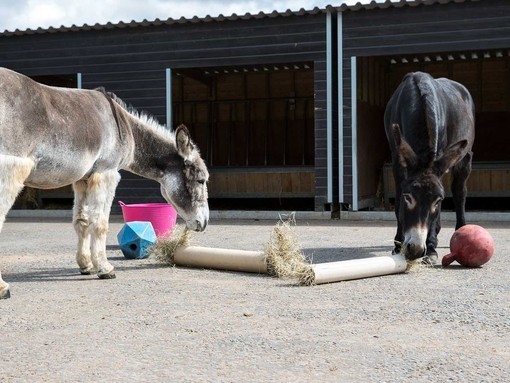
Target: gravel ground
[(172, 324)]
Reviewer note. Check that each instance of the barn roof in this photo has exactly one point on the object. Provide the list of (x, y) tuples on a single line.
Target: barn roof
[(362, 5)]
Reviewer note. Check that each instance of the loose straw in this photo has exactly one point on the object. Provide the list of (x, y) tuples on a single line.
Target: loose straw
[(282, 258), (282, 255), (292, 263), (165, 247)]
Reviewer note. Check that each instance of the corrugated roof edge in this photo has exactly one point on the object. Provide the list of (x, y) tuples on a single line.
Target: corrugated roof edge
[(157, 22), (396, 4)]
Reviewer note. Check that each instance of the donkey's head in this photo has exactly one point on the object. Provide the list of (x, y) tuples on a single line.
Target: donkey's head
[(185, 186), (422, 192), (420, 205)]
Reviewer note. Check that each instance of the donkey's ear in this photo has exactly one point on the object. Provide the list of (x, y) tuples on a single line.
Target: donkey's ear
[(406, 155), (183, 141), (451, 156)]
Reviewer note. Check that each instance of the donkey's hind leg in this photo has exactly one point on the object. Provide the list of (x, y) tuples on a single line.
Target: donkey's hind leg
[(93, 199), (13, 173)]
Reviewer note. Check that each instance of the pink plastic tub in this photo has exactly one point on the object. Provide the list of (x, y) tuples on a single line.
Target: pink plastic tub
[(162, 216)]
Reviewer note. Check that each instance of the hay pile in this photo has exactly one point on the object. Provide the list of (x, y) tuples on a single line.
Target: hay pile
[(284, 257), (164, 249), (417, 267)]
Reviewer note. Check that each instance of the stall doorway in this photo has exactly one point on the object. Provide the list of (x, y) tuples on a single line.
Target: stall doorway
[(254, 126), (486, 74)]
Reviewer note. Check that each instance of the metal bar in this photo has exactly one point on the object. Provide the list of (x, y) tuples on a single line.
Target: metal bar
[(305, 132), (229, 132), (340, 71), (268, 120), (178, 114), (329, 108), (168, 98), (78, 81), (247, 121), (354, 133), (286, 132), (249, 125), (212, 124)]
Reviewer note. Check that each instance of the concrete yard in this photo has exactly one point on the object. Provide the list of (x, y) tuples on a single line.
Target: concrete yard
[(155, 323)]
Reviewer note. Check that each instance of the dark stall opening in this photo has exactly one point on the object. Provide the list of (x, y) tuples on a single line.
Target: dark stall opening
[(486, 74), (254, 126)]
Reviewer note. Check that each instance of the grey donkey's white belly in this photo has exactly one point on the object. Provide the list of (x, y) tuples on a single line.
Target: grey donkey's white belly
[(52, 172)]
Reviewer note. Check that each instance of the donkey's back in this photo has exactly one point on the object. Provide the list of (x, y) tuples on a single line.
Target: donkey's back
[(64, 132), (432, 114)]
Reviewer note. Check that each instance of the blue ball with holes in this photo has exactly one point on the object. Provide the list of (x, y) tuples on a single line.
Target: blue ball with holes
[(135, 239)]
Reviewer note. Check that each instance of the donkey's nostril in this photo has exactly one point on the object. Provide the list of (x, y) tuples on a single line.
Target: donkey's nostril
[(199, 226), (413, 251)]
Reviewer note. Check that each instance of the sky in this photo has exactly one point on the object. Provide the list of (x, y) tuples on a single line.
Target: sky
[(24, 14)]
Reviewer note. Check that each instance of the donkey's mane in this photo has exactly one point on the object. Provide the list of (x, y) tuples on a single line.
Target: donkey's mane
[(428, 96), (147, 120)]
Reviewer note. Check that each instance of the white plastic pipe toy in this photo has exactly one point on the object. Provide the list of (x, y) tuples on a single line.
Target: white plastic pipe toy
[(358, 268), (223, 259)]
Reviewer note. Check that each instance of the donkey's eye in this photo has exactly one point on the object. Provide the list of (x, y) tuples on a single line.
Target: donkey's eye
[(409, 199), (436, 203)]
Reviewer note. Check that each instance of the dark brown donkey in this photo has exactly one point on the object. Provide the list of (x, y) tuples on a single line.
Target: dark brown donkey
[(429, 124)]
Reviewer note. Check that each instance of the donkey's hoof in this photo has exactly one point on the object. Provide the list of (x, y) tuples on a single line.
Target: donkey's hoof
[(110, 275), (88, 271), (429, 259), (5, 294)]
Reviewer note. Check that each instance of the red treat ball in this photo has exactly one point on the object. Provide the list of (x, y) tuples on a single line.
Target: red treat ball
[(471, 246)]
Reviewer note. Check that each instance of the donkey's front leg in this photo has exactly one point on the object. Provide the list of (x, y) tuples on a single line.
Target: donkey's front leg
[(99, 229), (399, 236), (81, 224), (460, 175), (98, 195), (430, 257)]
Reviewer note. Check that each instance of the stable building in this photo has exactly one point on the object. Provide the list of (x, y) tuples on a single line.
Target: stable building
[(287, 107), (466, 41)]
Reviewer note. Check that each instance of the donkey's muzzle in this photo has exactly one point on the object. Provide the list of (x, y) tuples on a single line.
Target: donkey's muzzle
[(413, 251), (200, 221), (200, 226)]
